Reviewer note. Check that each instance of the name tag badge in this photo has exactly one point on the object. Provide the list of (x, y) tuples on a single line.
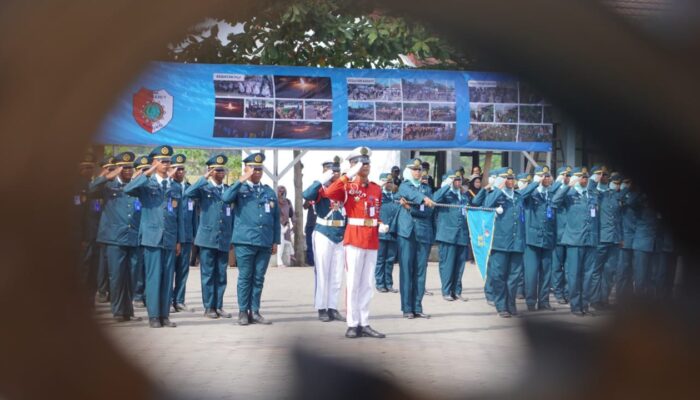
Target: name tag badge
[(76, 200), (422, 207), (190, 205), (371, 211), (228, 211), (137, 205), (267, 208), (593, 212), (170, 205), (550, 213)]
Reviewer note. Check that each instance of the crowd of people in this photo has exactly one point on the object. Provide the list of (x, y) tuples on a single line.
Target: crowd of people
[(429, 132), (493, 94), (584, 237), (361, 112), (374, 131), (259, 109), (428, 90), (374, 92), (250, 86)]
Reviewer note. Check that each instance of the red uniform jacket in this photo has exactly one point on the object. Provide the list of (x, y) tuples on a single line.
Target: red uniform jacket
[(360, 202)]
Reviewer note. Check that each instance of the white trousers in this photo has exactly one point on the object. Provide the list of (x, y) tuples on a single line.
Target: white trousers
[(359, 264), (329, 261)]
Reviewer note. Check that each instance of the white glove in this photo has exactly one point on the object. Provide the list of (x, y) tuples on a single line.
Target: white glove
[(537, 178), (596, 178), (447, 182), (498, 182), (499, 210), (574, 180), (352, 172), (624, 186), (492, 180), (326, 177), (522, 185), (383, 228), (560, 178)]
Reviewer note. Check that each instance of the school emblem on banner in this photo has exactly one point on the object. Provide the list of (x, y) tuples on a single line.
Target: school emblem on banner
[(481, 224), (152, 109)]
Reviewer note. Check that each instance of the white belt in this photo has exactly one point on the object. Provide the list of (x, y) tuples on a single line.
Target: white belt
[(330, 222), (362, 222)]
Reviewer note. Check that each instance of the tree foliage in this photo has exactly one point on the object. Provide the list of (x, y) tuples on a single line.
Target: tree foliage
[(320, 33)]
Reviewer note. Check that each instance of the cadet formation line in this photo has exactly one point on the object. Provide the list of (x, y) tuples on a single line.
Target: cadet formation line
[(574, 236)]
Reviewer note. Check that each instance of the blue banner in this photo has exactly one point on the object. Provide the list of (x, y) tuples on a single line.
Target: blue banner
[(237, 106), (481, 224)]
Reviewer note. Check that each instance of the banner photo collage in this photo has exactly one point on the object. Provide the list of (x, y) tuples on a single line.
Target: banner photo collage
[(237, 106)]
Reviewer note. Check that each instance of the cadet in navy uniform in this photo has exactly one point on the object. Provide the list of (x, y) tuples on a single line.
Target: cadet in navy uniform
[(522, 181), (329, 254), (138, 279), (118, 232), (540, 238), (185, 234), (623, 275), (415, 231), (388, 247), (213, 234), (87, 214), (643, 243), (256, 234), (580, 237), (506, 260), (478, 201), (106, 166), (559, 253), (160, 197), (452, 234), (607, 188)]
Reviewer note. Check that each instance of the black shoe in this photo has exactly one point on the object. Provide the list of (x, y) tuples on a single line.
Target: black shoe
[(382, 290), (392, 290), (259, 319), (243, 318), (460, 297), (588, 313), (133, 318), (120, 318), (211, 313), (138, 304), (531, 308), (335, 315), (448, 298), (600, 306), (167, 323), (546, 307), (408, 315), (323, 316), (504, 314), (563, 301), (154, 323), (421, 315), (520, 296), (367, 331), (351, 333), (103, 297), (223, 314), (427, 293), (179, 307)]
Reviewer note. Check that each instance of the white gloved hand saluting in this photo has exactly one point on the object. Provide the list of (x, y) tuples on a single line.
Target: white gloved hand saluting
[(574, 180), (498, 182), (383, 228), (326, 177), (560, 178), (596, 178), (537, 178), (352, 171), (447, 182)]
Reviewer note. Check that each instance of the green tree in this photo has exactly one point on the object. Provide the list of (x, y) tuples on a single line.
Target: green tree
[(318, 33)]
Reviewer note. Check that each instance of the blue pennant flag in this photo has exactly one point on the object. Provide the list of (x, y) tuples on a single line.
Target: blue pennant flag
[(481, 225)]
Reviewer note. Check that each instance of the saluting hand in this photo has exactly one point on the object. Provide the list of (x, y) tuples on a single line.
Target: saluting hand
[(113, 174), (209, 173), (171, 172), (151, 170), (104, 172), (137, 173), (247, 173)]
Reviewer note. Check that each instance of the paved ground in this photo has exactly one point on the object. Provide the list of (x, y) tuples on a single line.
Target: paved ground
[(464, 345)]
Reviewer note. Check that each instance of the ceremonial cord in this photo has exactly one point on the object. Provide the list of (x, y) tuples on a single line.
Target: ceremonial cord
[(449, 206)]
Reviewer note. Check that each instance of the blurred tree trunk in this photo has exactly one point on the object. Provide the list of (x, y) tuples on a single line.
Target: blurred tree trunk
[(299, 253)]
